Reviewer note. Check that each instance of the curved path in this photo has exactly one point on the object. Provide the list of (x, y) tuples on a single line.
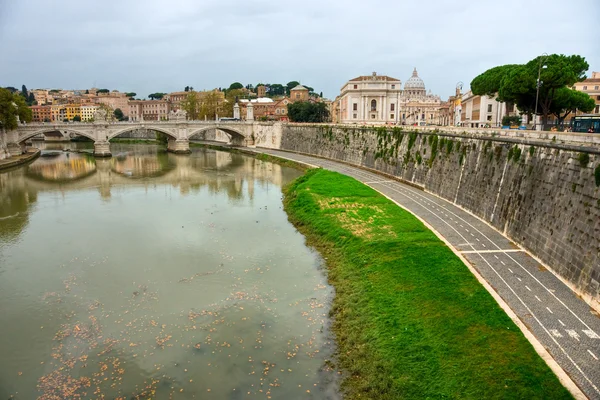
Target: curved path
[(564, 324)]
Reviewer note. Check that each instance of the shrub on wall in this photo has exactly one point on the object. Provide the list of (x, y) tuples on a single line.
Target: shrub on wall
[(584, 159)]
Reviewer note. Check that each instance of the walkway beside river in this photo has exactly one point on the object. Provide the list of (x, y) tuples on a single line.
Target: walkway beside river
[(18, 160), (564, 324)]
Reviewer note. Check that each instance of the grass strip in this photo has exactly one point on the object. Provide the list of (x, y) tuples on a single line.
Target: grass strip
[(411, 321)]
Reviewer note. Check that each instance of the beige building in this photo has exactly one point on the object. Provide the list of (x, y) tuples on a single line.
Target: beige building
[(41, 96), (380, 99), (88, 111), (148, 110), (591, 86), (299, 93), (482, 111), (115, 100)]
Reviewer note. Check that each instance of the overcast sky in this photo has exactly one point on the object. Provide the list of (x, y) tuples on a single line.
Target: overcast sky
[(149, 46)]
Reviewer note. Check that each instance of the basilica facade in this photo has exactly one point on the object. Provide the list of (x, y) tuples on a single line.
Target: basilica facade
[(380, 99)]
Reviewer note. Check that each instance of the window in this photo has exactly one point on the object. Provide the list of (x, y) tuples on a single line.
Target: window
[(430, 116), (597, 97), (355, 86), (354, 116), (597, 109), (595, 87), (423, 116), (393, 86), (297, 95), (585, 88), (489, 108), (372, 116), (403, 116), (392, 107), (392, 116), (373, 105), (489, 117), (355, 107)]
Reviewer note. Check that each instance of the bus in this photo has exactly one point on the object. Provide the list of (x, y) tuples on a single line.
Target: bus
[(582, 123)]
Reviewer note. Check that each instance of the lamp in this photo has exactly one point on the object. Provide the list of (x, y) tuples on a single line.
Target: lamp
[(537, 92)]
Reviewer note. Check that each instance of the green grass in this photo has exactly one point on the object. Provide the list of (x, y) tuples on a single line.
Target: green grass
[(411, 321)]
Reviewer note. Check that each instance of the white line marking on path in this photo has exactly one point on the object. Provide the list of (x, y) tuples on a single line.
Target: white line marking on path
[(527, 287), (573, 334), (591, 334), (556, 333), (538, 298), (549, 310), (487, 251), (593, 355), (562, 323)]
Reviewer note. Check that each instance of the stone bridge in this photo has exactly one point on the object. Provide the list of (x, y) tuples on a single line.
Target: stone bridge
[(179, 132)]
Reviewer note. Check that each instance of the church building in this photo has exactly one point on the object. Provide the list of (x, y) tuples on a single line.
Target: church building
[(380, 99)]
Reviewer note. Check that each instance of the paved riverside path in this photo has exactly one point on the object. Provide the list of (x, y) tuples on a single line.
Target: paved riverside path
[(564, 324)]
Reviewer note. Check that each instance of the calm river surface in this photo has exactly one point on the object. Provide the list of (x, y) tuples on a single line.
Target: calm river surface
[(151, 275)]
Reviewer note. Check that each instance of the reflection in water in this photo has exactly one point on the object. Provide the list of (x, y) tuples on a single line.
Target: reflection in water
[(136, 165), (15, 200), (62, 167), (151, 275)]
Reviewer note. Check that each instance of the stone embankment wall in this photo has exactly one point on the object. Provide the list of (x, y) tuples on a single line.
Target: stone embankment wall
[(543, 194)]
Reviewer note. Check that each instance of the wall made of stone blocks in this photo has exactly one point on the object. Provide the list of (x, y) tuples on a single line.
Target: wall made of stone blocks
[(541, 194)]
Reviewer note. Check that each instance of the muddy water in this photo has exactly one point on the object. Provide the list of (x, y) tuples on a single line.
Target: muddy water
[(150, 275)]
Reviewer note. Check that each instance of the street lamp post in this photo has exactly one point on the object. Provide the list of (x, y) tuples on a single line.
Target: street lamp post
[(537, 92)]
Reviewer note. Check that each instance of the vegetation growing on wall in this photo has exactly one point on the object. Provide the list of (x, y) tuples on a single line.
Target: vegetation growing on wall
[(584, 159), (514, 153)]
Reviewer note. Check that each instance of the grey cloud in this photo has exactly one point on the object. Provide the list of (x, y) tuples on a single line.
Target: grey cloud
[(151, 45)]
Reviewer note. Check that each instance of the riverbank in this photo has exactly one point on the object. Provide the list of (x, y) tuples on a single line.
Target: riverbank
[(410, 319), (15, 161)]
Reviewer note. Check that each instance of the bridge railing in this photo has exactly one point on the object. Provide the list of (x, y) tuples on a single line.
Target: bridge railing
[(126, 123)]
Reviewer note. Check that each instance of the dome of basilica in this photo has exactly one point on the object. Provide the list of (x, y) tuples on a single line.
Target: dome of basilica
[(414, 82)]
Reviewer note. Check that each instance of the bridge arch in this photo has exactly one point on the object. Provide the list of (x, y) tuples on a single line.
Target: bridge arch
[(24, 136), (234, 134), (114, 134)]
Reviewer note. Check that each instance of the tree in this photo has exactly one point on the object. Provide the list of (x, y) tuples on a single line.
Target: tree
[(156, 96), (118, 114), (490, 81), (276, 89), (110, 113), (30, 99), (24, 92), (230, 97), (131, 95), (211, 105), (511, 120), (12, 89), (87, 91), (102, 91), (235, 85), (12, 105), (77, 118), (305, 111), (518, 83), (191, 105), (567, 100)]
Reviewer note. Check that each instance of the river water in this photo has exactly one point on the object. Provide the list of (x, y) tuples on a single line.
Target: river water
[(152, 275)]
